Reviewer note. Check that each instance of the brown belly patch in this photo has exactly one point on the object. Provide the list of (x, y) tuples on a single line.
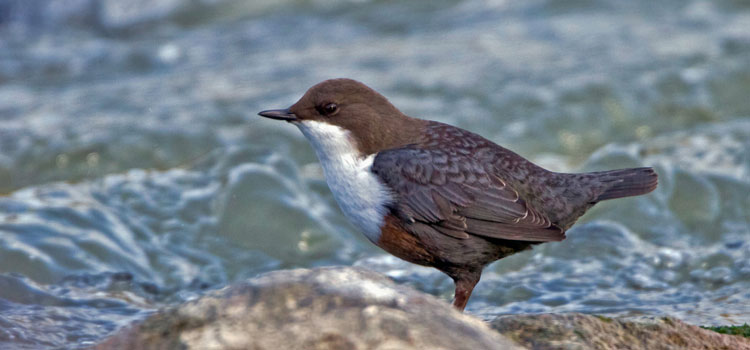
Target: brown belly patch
[(396, 240)]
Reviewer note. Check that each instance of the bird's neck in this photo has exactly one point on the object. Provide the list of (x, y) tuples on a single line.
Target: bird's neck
[(359, 192)]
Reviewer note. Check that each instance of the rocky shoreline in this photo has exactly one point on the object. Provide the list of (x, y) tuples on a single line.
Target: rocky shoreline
[(354, 308)]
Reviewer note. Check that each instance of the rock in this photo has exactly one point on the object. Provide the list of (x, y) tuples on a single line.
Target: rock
[(325, 308), (578, 331), (351, 308)]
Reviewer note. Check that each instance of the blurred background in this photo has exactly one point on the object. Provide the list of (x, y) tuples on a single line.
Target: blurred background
[(134, 172)]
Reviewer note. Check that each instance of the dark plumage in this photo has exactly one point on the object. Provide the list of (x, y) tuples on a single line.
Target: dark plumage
[(458, 201)]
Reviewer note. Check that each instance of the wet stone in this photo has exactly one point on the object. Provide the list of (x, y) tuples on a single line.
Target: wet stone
[(578, 331), (323, 308)]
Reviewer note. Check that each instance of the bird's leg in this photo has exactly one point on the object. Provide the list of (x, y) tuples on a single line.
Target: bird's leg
[(464, 286)]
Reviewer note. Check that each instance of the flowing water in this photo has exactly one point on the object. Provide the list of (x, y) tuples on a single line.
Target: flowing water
[(135, 174)]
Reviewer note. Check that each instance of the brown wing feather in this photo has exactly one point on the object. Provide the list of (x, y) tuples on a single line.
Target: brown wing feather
[(457, 196)]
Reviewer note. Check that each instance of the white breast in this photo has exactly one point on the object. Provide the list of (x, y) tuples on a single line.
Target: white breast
[(359, 192)]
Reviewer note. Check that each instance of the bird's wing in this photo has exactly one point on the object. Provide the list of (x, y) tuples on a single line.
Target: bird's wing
[(459, 196)]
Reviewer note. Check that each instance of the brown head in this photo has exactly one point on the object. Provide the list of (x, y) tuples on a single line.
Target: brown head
[(373, 123)]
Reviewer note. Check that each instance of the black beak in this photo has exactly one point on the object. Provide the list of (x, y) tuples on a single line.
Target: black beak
[(279, 114)]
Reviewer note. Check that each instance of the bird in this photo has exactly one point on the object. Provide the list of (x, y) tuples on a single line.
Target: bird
[(437, 195)]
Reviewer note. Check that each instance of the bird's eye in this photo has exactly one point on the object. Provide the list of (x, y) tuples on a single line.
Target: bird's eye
[(328, 109)]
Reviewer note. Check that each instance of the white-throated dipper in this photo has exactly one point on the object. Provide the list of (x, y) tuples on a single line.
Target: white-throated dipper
[(436, 195)]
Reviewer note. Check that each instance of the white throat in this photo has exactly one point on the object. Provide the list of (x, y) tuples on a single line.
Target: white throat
[(359, 192)]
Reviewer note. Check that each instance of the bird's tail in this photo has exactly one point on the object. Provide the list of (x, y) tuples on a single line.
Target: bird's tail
[(626, 182)]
